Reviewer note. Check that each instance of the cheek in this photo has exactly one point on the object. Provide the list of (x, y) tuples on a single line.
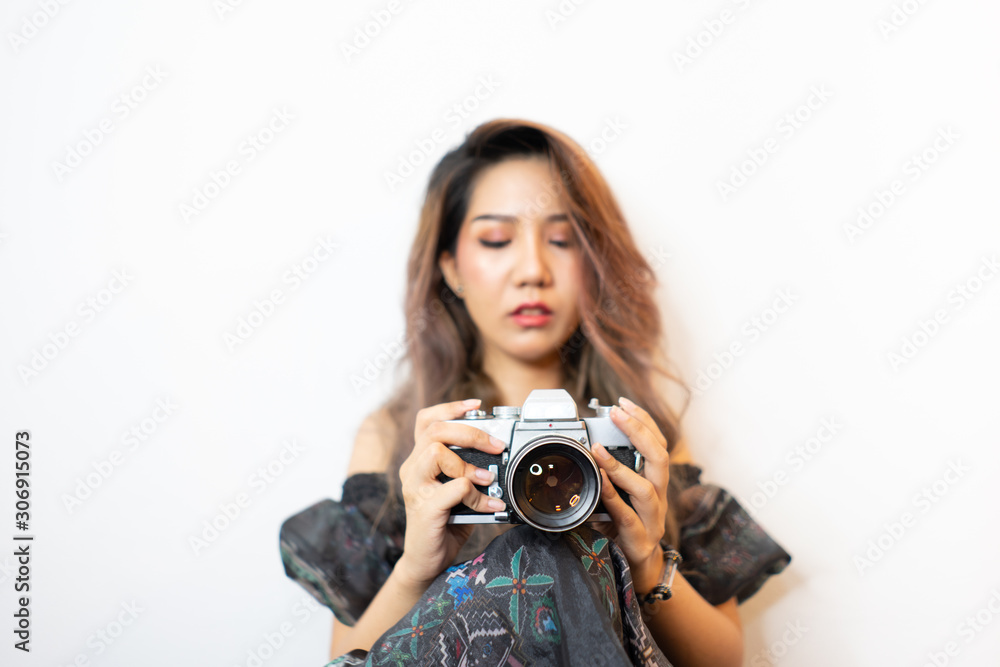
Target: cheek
[(484, 274), (480, 267), (574, 282)]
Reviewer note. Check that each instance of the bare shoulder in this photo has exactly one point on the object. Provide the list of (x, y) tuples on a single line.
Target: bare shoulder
[(372, 450)]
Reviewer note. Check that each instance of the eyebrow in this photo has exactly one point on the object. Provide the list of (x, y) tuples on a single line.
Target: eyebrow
[(555, 217)]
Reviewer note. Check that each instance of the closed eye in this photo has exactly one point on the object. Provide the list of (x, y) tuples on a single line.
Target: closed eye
[(559, 243)]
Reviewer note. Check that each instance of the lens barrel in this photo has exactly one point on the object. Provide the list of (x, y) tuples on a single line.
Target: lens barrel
[(553, 483)]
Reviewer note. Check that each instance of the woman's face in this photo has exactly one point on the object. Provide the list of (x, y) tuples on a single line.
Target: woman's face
[(518, 262)]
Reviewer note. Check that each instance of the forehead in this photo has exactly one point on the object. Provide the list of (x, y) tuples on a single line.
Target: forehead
[(520, 187)]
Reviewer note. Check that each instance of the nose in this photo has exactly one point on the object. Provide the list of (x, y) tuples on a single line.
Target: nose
[(532, 265)]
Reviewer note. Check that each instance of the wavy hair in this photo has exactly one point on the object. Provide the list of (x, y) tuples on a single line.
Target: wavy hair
[(617, 348)]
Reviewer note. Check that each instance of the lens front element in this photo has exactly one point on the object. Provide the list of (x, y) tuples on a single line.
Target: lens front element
[(553, 484)]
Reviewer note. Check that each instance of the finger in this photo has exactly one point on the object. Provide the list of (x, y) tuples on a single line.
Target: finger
[(462, 435), (463, 491), (627, 523), (650, 443), (647, 498), (440, 412), (438, 459), (644, 417), (441, 498), (431, 497)]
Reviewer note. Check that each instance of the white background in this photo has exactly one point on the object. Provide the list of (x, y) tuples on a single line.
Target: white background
[(682, 129)]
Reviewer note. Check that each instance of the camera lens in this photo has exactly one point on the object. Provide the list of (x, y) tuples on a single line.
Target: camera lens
[(554, 483)]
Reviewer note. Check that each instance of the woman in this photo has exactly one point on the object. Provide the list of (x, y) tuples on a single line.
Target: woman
[(524, 276)]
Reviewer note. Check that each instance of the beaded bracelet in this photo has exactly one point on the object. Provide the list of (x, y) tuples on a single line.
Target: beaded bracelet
[(662, 591)]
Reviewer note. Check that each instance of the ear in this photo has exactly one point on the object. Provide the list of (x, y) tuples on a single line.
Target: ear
[(446, 262)]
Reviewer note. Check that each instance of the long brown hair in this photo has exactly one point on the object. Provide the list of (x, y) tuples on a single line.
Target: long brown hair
[(617, 348)]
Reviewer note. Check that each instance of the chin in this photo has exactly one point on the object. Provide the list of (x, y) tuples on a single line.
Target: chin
[(537, 355)]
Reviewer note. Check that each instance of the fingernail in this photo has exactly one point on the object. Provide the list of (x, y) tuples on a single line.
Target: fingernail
[(497, 442), (625, 403), (496, 504), (618, 412), (471, 402), (484, 475), (600, 452)]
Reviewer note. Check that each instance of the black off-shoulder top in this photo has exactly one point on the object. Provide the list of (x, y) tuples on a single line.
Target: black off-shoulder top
[(343, 551)]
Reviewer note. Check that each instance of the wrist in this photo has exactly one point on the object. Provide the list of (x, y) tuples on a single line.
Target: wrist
[(649, 572), (662, 590), (410, 578)]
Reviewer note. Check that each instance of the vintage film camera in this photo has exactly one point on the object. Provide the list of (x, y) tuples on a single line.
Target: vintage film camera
[(547, 475)]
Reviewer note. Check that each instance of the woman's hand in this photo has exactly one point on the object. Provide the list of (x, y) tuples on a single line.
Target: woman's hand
[(639, 528), (431, 543)]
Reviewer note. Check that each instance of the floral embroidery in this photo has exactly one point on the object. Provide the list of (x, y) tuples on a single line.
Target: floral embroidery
[(518, 586), (592, 554), (415, 631)]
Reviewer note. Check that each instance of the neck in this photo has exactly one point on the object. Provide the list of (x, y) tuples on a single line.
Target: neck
[(515, 378)]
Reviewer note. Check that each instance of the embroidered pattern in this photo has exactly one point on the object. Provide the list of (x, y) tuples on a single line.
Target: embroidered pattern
[(518, 585), (529, 598)]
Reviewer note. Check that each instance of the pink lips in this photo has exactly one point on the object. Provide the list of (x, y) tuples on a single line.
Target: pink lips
[(535, 314), (537, 305)]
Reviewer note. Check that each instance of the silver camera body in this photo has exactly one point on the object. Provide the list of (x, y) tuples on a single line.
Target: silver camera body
[(547, 476)]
